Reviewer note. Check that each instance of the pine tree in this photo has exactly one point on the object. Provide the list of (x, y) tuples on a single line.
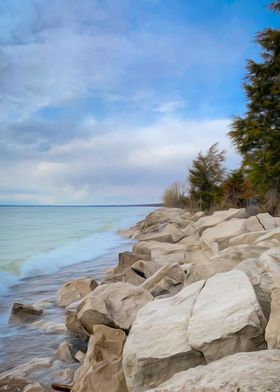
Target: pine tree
[(237, 190), (257, 134), (205, 178)]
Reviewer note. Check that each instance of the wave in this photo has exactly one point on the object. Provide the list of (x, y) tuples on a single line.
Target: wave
[(72, 252)]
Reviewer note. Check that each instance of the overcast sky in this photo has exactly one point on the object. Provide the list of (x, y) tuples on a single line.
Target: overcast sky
[(108, 101)]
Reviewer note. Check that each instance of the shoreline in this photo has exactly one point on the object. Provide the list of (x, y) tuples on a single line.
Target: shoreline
[(180, 264)]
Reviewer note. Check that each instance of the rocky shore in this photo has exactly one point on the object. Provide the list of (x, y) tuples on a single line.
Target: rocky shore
[(195, 306)]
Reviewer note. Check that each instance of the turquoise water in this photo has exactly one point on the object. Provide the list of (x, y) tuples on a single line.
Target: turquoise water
[(41, 240)]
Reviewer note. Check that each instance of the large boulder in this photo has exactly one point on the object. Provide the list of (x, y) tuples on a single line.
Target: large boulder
[(113, 304), (272, 333), (145, 268), (243, 372), (218, 217), (218, 237), (22, 313), (159, 237), (261, 270), (127, 259), (154, 248), (168, 280), (267, 221), (72, 322), (128, 275), (223, 261), (226, 317), (158, 346), (269, 236), (102, 367), (246, 238), (75, 290)]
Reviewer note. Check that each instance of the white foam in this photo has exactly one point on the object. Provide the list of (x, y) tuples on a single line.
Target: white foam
[(76, 251)]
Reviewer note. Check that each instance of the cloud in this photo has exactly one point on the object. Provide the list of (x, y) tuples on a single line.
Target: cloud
[(112, 166), (109, 101), (169, 107)]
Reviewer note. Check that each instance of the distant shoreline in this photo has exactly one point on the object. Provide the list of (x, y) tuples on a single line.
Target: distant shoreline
[(86, 205)]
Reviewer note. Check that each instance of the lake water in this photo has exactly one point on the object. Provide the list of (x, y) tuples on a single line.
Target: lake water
[(40, 249)]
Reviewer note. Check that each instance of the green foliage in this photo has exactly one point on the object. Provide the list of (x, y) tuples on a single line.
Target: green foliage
[(205, 178), (257, 134), (174, 196), (237, 190)]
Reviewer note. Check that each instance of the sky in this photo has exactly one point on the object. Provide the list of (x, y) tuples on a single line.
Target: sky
[(109, 101)]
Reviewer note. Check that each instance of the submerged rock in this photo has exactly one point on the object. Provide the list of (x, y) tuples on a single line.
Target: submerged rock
[(22, 313)]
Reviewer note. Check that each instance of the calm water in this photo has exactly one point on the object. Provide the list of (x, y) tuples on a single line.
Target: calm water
[(40, 249)]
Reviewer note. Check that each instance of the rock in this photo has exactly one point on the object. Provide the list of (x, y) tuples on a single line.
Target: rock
[(126, 259), (154, 249), (243, 372), (269, 235), (261, 271), (223, 232), (197, 216), (159, 237), (10, 383), (171, 258), (238, 253), (102, 368), (168, 280), (190, 230), (80, 356), (72, 322), (223, 261), (272, 332), (113, 304), (186, 215), (267, 221), (144, 268), (218, 217), (75, 290), (128, 275), (22, 313), (158, 346), (226, 317), (246, 238), (64, 352), (173, 230)]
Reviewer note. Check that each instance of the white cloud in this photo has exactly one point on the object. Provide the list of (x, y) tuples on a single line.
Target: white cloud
[(170, 107), (125, 164)]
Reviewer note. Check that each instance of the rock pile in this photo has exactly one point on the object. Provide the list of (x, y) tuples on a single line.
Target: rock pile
[(193, 307)]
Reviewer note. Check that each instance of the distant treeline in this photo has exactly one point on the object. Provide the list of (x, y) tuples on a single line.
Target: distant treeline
[(256, 137)]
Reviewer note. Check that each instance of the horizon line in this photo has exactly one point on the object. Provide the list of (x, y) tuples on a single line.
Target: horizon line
[(84, 205)]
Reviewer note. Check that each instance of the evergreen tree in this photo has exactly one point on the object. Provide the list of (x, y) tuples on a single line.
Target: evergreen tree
[(205, 178), (237, 190), (257, 134)]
